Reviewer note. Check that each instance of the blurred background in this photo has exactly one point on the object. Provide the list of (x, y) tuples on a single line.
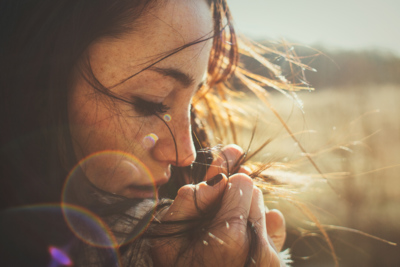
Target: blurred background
[(349, 125)]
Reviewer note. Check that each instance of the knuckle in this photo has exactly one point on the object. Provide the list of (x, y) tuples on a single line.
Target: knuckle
[(230, 154), (227, 157), (233, 150), (245, 170), (241, 178), (185, 193)]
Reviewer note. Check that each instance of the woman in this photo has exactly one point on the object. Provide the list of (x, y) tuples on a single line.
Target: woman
[(98, 112)]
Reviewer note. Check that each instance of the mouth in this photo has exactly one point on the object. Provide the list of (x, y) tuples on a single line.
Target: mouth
[(143, 191), (149, 190), (143, 187)]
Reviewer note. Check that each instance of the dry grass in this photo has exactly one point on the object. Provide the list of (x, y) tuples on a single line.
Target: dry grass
[(353, 134)]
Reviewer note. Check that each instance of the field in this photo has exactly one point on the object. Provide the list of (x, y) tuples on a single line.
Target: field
[(353, 135)]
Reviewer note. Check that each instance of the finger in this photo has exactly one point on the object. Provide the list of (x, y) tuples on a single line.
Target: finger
[(257, 214), (276, 227), (227, 157), (184, 208), (234, 211), (245, 170), (257, 218), (192, 199)]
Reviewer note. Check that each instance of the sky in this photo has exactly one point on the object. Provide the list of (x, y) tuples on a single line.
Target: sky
[(337, 24)]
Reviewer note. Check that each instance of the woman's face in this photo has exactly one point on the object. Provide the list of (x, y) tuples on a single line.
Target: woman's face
[(125, 150)]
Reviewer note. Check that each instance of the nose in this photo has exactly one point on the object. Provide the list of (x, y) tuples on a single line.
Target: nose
[(175, 145)]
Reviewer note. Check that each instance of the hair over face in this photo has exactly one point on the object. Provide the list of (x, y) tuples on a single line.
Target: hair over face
[(42, 45)]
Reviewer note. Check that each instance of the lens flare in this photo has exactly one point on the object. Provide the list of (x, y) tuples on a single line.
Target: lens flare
[(150, 140), (88, 227), (42, 217), (79, 193), (60, 256), (167, 117)]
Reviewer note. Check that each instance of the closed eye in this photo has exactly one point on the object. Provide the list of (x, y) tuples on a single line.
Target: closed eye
[(148, 108)]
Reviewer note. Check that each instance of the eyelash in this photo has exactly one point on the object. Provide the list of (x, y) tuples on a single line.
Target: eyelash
[(148, 108)]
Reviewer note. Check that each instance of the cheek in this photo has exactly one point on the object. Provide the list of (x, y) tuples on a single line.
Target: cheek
[(97, 125), (112, 145), (115, 171)]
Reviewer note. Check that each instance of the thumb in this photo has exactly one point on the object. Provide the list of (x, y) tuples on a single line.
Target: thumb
[(192, 198), (226, 158)]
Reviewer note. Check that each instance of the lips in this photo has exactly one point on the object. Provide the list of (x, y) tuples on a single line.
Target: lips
[(148, 190), (142, 191), (143, 187), (134, 187)]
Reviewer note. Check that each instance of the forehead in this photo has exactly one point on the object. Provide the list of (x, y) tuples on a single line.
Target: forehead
[(190, 19), (161, 30)]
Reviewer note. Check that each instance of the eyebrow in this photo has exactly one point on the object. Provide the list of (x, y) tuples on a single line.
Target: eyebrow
[(185, 79)]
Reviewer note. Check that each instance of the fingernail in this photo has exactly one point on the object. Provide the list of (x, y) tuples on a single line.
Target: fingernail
[(215, 180)]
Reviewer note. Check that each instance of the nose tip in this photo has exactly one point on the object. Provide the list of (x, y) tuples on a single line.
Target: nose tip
[(177, 150), (186, 154)]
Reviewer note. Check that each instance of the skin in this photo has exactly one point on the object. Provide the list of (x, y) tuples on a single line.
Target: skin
[(223, 245), (98, 125), (109, 136)]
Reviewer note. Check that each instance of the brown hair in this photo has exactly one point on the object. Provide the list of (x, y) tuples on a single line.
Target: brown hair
[(41, 46)]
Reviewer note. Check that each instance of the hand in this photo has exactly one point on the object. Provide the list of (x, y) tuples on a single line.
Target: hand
[(229, 156), (225, 242), (276, 227)]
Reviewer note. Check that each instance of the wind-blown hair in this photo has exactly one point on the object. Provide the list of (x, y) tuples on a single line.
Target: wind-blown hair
[(43, 47), (41, 44)]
